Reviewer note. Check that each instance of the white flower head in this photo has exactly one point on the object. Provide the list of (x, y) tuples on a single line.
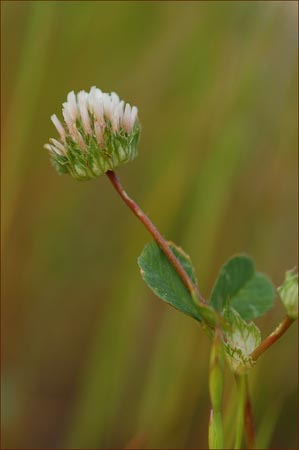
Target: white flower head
[(98, 132)]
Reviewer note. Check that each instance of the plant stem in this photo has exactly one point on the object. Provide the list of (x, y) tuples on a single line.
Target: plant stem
[(163, 244), (248, 418), (216, 392), (241, 392), (273, 337), (215, 430)]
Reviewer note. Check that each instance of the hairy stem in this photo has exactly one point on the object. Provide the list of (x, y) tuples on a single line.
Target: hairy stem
[(272, 338), (248, 418), (157, 237)]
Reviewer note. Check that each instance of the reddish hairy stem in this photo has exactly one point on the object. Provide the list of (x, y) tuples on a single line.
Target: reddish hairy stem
[(156, 235), (273, 337)]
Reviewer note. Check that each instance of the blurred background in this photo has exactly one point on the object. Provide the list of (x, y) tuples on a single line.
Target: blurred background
[(90, 358)]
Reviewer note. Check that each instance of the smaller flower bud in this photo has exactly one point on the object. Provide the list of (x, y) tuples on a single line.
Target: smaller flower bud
[(288, 292)]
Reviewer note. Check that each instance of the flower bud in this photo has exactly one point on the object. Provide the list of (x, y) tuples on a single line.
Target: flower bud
[(98, 133), (288, 292)]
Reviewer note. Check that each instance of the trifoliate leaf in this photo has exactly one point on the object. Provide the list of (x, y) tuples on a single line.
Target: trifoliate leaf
[(241, 338), (241, 287), (164, 281), (288, 292)]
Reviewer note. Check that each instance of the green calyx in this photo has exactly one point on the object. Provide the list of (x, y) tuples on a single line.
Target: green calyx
[(84, 164)]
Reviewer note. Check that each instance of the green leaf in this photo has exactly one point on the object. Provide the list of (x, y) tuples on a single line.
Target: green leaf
[(163, 279), (241, 287), (288, 292), (241, 338)]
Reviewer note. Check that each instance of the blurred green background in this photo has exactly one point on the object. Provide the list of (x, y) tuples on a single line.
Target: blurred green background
[(90, 358)]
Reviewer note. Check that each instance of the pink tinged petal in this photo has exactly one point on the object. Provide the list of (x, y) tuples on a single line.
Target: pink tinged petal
[(120, 110), (114, 98), (99, 133), (70, 114), (48, 147), (94, 90), (79, 139), (107, 104), (58, 126), (115, 121), (72, 105), (82, 104), (59, 146), (98, 108), (91, 98), (52, 149), (68, 120), (73, 131), (133, 117), (126, 118)]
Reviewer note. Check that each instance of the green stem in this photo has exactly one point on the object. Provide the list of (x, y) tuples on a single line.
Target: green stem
[(163, 244), (216, 392), (272, 338), (248, 418), (241, 393), (215, 430)]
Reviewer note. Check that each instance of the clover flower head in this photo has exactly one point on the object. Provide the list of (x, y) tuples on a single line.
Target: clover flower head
[(98, 133)]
